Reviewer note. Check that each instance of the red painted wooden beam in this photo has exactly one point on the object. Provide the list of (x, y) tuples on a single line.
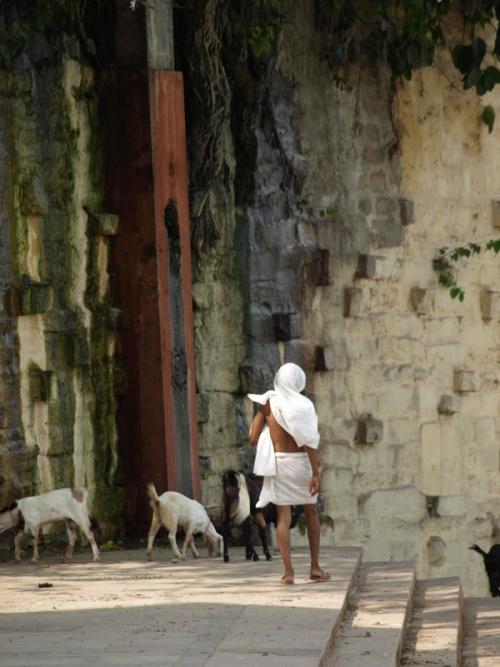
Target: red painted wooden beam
[(170, 175)]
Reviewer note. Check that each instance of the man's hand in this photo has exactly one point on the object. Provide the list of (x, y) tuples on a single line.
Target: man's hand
[(314, 485)]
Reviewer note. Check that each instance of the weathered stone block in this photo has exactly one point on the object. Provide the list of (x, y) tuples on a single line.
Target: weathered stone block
[(353, 301), (324, 359), (78, 350), (317, 268), (203, 296), (300, 352), (115, 318), (448, 405), (286, 326), (40, 385), (422, 300), (5, 81), (102, 224), (35, 298), (386, 206), (367, 267), (4, 417), (254, 377), (202, 408), (490, 305), (369, 431), (386, 232), (465, 381), (261, 328), (205, 467), (495, 213), (407, 211), (436, 551)]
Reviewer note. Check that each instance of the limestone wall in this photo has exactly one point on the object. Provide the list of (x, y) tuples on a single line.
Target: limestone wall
[(405, 379), (57, 388)]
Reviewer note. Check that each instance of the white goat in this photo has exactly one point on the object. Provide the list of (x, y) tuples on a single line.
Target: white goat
[(27, 515), (172, 509)]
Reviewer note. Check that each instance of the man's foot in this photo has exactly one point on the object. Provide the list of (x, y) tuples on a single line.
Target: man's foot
[(320, 575), (287, 579)]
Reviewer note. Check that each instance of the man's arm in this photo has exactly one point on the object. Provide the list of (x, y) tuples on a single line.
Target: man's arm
[(258, 424), (313, 459)]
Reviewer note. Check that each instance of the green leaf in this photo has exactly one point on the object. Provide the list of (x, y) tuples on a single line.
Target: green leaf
[(472, 78), (488, 117), (454, 292), (491, 77), (413, 55), (463, 58), (478, 46)]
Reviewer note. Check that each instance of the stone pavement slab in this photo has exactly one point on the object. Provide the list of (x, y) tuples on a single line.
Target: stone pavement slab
[(434, 631), (126, 611), (371, 634), (481, 643)]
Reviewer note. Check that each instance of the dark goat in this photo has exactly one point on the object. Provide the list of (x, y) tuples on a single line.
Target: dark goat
[(239, 498), (492, 566)]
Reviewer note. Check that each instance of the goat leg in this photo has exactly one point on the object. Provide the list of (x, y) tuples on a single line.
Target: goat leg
[(226, 534), (263, 539), (250, 553), (17, 544), (36, 555)]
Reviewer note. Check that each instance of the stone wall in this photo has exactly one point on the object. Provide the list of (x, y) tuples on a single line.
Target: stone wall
[(404, 378), (58, 340)]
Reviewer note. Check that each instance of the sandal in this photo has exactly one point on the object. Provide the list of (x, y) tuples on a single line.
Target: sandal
[(324, 576), (287, 581)]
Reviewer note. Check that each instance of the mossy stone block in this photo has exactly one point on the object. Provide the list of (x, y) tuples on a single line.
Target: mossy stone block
[(103, 224), (369, 431), (40, 385), (35, 298)]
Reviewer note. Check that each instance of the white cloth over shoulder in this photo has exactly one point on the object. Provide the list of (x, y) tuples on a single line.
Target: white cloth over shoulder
[(293, 412)]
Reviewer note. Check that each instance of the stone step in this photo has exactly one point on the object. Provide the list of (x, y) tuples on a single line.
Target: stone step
[(290, 625), (372, 630), (433, 636), (481, 642)]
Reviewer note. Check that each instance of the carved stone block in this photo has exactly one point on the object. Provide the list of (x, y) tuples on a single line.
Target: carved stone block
[(422, 300), (40, 383), (35, 298), (465, 381), (407, 211), (448, 405), (316, 269), (323, 359), (202, 408), (490, 304), (287, 326), (495, 214), (103, 224), (367, 267), (369, 431), (353, 299)]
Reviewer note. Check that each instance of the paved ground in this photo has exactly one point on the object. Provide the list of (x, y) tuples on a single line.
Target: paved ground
[(125, 611)]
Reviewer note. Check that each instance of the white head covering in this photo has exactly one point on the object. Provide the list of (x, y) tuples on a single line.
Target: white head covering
[(293, 411)]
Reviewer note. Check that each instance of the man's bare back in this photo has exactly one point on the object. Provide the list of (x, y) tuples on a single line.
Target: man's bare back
[(282, 441)]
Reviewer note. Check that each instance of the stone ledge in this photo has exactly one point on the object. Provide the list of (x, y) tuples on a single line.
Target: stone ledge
[(40, 385), (465, 381), (495, 213), (29, 299), (102, 224), (490, 305), (369, 431)]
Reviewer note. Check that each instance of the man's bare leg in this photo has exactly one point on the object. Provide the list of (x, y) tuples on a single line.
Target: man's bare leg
[(313, 535), (283, 538)]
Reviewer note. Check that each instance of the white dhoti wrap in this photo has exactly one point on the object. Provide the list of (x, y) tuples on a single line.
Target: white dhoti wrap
[(290, 484)]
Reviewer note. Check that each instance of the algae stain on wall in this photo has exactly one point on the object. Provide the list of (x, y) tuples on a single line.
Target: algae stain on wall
[(60, 285)]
